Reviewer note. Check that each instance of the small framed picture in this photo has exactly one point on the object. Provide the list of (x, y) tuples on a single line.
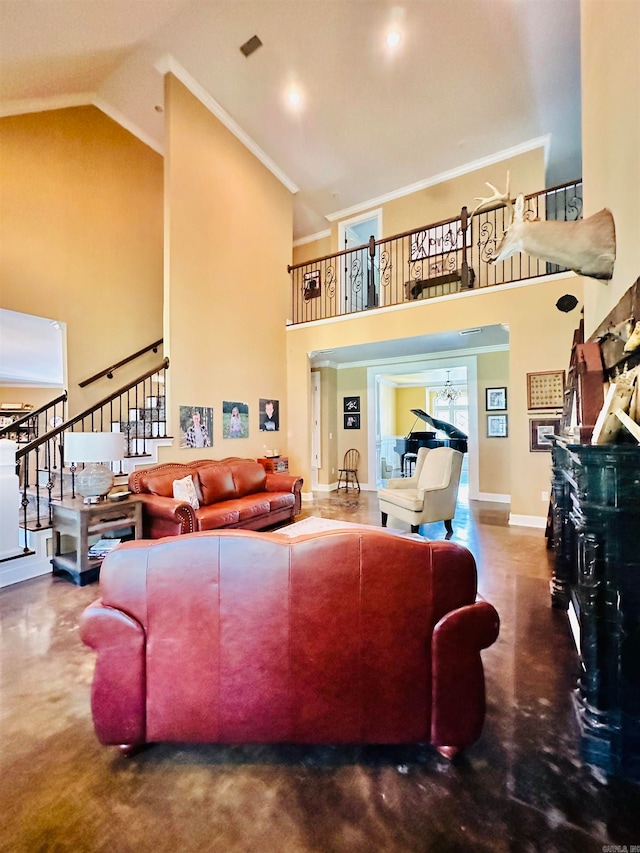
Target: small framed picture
[(352, 404), (545, 390), (540, 430), (497, 426), (311, 286), (496, 399), (351, 421)]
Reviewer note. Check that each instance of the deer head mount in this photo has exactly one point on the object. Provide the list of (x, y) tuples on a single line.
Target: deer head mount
[(586, 246)]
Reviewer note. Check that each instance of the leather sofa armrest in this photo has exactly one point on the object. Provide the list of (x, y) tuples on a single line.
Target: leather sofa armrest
[(118, 692), (458, 689), (166, 516), (286, 483)]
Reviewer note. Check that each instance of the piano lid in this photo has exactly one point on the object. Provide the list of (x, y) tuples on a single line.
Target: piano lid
[(449, 429)]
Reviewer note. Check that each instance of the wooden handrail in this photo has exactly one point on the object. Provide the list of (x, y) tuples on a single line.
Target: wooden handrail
[(108, 371)]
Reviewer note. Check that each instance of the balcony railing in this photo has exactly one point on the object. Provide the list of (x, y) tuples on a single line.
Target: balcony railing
[(434, 260)]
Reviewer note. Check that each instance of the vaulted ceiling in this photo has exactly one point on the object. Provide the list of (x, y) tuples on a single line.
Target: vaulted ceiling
[(468, 79)]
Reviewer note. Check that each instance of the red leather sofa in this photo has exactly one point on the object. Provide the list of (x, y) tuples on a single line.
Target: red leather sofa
[(343, 636), (232, 492)]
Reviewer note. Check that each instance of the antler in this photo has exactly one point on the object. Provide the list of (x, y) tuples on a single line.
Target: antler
[(497, 196)]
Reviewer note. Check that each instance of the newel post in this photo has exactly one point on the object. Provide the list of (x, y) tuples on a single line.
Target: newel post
[(9, 500)]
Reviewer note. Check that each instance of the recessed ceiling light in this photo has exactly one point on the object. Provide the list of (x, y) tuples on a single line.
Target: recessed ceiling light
[(294, 98), (393, 39)]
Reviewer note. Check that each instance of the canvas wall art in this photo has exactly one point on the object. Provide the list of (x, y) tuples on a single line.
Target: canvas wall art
[(269, 411), (196, 426), (235, 420)]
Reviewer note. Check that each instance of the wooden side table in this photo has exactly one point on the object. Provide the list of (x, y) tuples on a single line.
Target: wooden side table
[(80, 522)]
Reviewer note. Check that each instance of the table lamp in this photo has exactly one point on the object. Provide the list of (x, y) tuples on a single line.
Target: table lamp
[(93, 448)]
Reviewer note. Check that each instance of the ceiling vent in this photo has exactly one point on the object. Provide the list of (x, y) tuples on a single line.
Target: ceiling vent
[(251, 46)]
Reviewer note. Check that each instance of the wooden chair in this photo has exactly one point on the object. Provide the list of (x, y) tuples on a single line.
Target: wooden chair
[(349, 469)]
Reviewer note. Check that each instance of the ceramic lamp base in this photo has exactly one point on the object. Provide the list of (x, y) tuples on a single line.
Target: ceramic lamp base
[(93, 482)]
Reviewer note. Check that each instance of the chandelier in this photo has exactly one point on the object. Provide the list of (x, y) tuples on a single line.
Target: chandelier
[(448, 394)]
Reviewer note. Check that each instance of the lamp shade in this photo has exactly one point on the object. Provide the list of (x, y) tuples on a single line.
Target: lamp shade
[(93, 446)]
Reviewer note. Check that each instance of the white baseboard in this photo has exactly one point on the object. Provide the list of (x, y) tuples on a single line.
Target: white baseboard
[(23, 568), (528, 521), (493, 497)]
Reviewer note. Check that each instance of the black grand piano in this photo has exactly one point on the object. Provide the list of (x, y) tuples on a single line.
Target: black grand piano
[(427, 438)]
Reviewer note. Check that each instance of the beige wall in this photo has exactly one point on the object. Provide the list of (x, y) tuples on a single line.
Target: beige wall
[(540, 339), (407, 399), (442, 201), (352, 381), (610, 47), (228, 242), (494, 454), (81, 240)]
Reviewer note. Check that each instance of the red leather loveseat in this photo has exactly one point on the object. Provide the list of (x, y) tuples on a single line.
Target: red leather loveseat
[(232, 492), (343, 636)]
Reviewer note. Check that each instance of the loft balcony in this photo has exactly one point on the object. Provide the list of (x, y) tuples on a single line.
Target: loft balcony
[(439, 259)]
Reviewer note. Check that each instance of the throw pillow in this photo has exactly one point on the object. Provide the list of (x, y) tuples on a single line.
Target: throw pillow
[(184, 490)]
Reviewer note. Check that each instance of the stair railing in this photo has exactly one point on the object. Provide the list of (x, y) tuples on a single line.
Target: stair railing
[(37, 421), (124, 410), (108, 371)]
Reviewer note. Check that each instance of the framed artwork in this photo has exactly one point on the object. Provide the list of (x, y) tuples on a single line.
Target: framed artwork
[(269, 411), (196, 426), (497, 426), (235, 420), (352, 404), (311, 285), (351, 421), (434, 241), (496, 399), (545, 390), (540, 430)]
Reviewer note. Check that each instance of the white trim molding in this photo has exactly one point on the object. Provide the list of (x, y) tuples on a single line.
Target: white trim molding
[(473, 166), (527, 521), (168, 64)]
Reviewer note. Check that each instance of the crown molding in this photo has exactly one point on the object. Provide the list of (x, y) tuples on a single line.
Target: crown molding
[(473, 166), (168, 64), (311, 238)]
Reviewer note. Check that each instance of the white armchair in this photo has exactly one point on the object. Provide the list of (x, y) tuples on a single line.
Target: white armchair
[(433, 494), (410, 482)]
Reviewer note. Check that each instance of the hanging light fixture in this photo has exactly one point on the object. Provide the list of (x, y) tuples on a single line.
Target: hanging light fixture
[(448, 394)]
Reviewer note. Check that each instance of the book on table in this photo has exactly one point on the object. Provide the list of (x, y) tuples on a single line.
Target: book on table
[(102, 547)]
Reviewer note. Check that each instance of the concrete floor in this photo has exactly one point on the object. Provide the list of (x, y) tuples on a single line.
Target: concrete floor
[(521, 787)]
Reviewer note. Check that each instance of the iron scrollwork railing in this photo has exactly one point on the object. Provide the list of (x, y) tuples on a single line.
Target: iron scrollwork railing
[(434, 260), (137, 409)]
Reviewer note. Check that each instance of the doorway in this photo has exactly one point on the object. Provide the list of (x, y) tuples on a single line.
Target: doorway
[(359, 273), (427, 378)]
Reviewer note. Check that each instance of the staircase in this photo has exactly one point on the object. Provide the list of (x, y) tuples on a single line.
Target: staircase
[(137, 410)]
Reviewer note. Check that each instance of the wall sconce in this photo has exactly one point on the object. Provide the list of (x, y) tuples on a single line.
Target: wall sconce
[(93, 448)]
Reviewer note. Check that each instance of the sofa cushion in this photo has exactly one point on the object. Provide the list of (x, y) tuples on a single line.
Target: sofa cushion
[(280, 500), (252, 506), (214, 516), (160, 481), (249, 477), (216, 483)]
